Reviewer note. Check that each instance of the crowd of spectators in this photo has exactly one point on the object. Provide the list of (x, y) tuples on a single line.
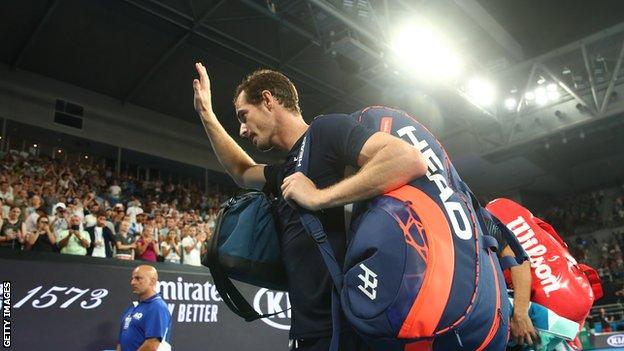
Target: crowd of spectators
[(618, 207), (584, 213), (577, 213), (84, 208)]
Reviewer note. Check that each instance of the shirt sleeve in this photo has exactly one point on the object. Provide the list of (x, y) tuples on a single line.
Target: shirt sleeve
[(271, 173), (347, 137), (157, 323)]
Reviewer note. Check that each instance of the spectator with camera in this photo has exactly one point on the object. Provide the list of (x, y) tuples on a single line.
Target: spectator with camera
[(60, 218), (42, 239), (74, 241)]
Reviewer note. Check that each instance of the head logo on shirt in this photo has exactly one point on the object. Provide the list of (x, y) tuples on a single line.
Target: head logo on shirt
[(137, 315)]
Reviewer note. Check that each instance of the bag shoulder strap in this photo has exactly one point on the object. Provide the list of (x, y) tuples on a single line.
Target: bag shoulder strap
[(314, 228), (519, 255)]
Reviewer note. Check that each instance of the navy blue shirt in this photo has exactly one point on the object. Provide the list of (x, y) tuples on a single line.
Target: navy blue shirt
[(149, 319), (337, 142)]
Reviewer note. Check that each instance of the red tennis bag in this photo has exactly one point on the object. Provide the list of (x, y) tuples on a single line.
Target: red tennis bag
[(558, 281)]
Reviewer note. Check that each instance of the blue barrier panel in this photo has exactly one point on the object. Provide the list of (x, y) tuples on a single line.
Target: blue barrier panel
[(60, 302)]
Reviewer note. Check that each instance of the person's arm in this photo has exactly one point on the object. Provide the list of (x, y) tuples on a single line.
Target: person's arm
[(165, 250), (31, 238), (121, 246), (156, 248), (141, 246), (85, 240), (520, 325), (118, 348), (50, 235), (240, 166), (64, 241), (149, 345), (386, 163), (189, 248)]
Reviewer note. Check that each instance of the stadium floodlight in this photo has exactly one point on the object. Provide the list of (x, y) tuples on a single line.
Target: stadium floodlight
[(541, 97), (481, 91), (552, 91), (425, 53), (35, 146), (510, 103)]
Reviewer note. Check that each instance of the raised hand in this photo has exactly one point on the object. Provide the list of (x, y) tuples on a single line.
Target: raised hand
[(201, 87)]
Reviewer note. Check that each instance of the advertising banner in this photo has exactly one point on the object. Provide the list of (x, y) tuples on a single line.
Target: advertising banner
[(77, 305)]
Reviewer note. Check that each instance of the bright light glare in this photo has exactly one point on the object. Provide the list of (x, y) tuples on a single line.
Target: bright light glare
[(510, 103), (529, 95), (551, 87), (481, 91), (553, 95), (541, 98), (425, 53)]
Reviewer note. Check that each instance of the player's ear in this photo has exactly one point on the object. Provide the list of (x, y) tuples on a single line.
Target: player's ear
[(268, 100)]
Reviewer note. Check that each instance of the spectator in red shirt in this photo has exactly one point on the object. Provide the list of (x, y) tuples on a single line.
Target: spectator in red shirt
[(147, 247)]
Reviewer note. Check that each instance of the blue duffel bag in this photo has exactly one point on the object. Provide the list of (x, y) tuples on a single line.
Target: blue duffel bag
[(245, 247)]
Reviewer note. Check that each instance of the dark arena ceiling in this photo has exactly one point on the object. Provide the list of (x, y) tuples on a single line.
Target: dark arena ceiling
[(337, 52)]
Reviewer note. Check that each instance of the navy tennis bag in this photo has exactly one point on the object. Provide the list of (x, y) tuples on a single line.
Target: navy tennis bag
[(420, 271), (245, 247)]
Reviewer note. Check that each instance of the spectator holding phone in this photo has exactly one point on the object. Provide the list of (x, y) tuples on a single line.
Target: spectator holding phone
[(74, 241), (60, 220), (42, 239)]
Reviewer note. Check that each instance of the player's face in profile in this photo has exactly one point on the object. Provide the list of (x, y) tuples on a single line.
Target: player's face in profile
[(254, 123), (140, 282)]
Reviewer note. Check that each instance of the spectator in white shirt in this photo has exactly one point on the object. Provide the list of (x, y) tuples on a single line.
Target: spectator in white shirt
[(6, 192), (192, 248), (134, 208), (60, 219), (171, 248), (91, 219), (102, 239)]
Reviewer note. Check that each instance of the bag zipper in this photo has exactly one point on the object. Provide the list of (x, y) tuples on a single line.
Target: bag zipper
[(498, 315)]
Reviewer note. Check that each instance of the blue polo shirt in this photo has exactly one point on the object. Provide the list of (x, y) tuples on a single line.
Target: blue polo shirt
[(148, 319)]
